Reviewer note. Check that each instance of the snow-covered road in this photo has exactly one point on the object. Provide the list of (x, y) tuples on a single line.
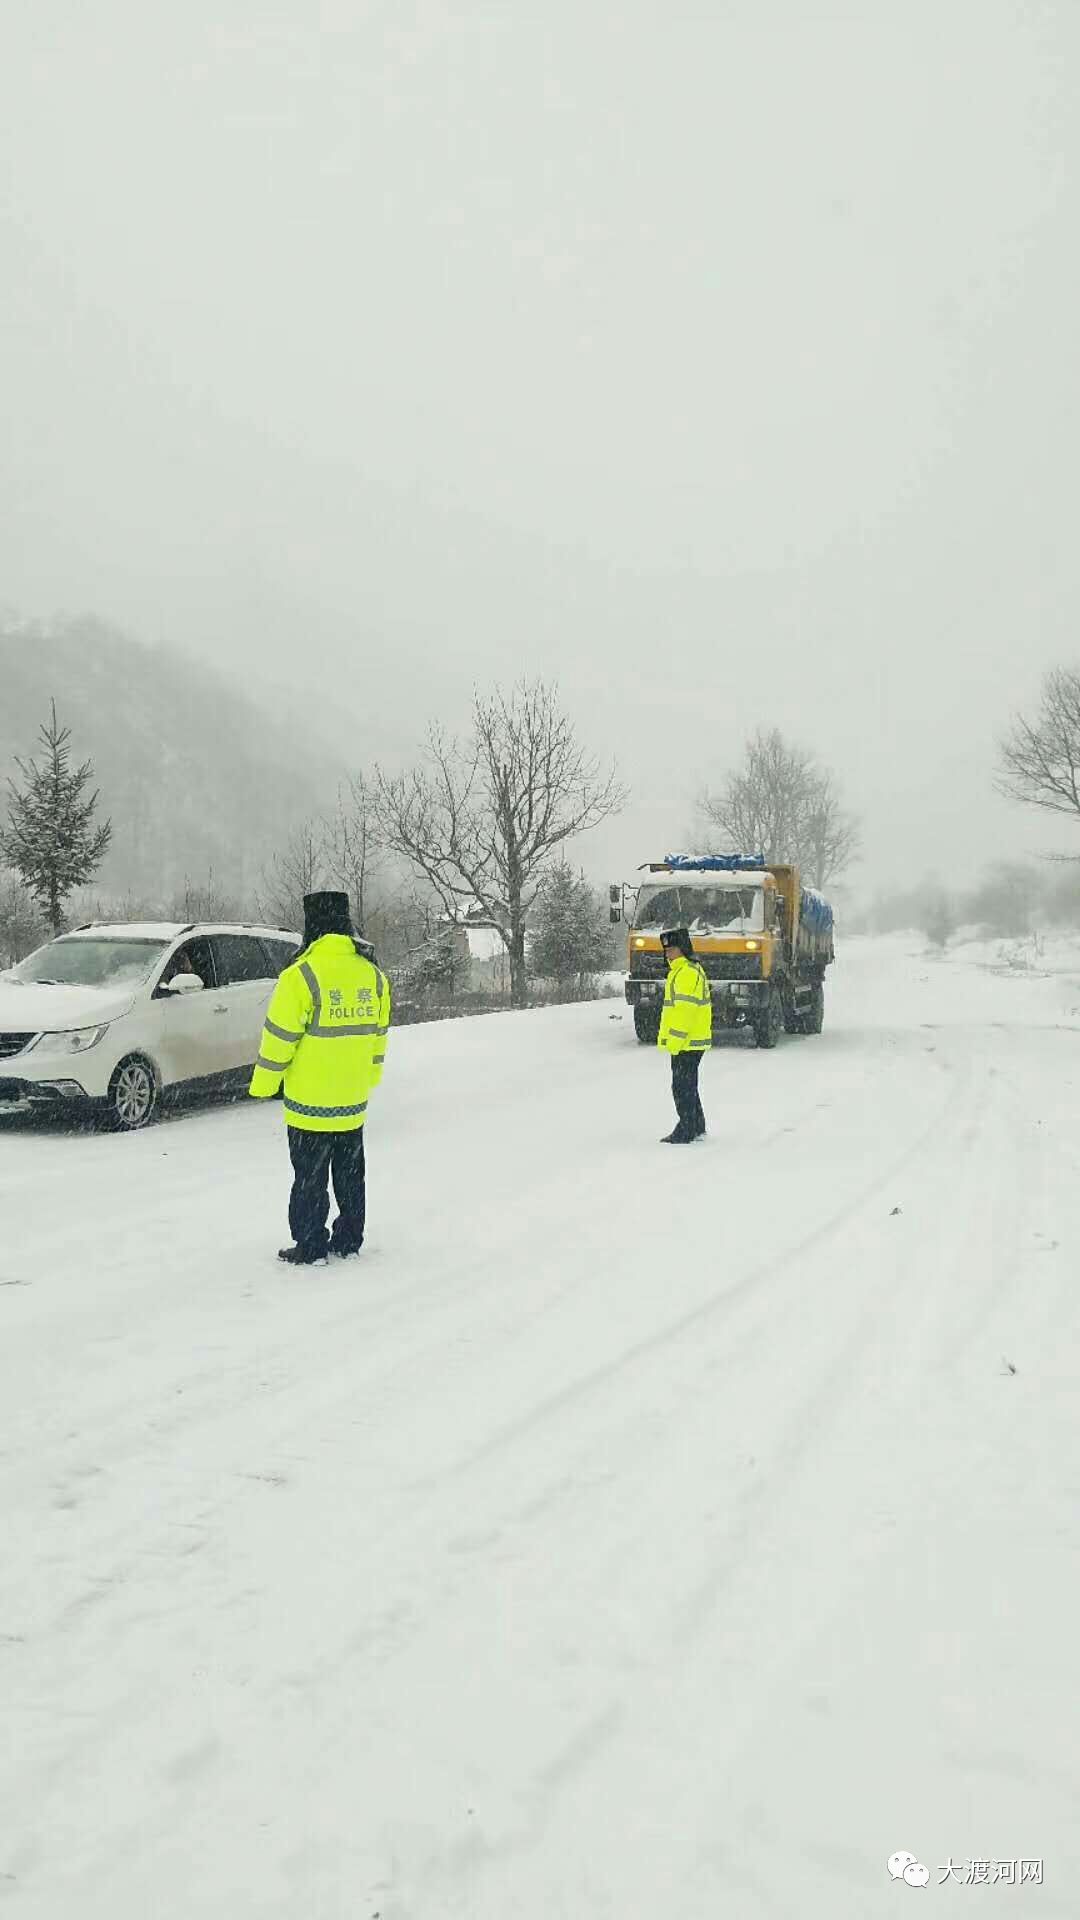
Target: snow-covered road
[(630, 1533)]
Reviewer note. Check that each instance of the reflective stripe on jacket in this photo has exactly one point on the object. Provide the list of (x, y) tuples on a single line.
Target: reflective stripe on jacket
[(686, 1018), (325, 1037)]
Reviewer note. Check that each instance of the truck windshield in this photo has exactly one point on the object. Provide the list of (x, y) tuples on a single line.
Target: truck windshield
[(721, 909), (90, 963)]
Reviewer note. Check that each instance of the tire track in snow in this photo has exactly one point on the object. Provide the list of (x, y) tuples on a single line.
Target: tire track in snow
[(755, 1289), (745, 1561)]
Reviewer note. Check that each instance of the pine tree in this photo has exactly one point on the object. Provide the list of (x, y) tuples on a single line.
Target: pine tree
[(51, 841), (569, 942)]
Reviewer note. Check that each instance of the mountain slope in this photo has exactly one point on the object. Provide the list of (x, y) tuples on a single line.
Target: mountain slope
[(194, 773)]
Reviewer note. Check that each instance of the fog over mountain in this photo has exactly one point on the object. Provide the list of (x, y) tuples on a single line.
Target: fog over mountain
[(196, 775)]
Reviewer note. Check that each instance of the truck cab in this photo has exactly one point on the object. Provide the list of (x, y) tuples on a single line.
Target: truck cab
[(762, 939)]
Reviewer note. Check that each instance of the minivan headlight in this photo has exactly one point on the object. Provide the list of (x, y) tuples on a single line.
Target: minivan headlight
[(79, 1040)]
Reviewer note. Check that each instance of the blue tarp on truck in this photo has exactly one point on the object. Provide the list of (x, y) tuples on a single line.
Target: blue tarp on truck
[(814, 910)]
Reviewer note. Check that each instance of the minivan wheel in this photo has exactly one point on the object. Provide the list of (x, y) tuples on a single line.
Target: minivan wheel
[(133, 1094)]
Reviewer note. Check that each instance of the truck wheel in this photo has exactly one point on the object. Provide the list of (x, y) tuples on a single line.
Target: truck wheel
[(769, 1024), (814, 1018), (646, 1026), (793, 1021)]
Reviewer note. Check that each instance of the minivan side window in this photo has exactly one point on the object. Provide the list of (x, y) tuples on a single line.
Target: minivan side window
[(239, 957)]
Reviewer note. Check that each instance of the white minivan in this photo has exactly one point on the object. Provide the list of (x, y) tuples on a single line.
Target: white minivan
[(122, 1016)]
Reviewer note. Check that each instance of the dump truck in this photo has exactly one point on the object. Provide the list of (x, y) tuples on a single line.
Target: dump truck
[(763, 939)]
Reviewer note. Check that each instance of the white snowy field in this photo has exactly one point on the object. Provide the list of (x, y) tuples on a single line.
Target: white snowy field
[(631, 1532)]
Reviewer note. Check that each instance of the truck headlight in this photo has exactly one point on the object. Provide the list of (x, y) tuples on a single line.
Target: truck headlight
[(79, 1040)]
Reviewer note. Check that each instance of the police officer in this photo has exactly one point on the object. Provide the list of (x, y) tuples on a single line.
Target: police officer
[(685, 1032), (325, 1041)]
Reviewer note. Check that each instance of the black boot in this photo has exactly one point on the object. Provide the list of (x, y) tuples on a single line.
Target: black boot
[(300, 1257)]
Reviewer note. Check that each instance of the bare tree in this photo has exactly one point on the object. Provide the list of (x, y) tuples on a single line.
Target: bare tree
[(351, 845), (781, 803), (481, 819), (1039, 760), (296, 870), (23, 926), (759, 807), (206, 899), (1009, 896), (404, 921), (829, 838)]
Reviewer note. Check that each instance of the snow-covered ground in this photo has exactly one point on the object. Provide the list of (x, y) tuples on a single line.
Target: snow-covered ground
[(631, 1533)]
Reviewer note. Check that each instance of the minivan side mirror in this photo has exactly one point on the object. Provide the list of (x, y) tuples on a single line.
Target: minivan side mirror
[(183, 983)]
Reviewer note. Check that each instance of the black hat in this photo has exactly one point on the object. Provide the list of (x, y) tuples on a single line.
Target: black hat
[(325, 913), (677, 937)]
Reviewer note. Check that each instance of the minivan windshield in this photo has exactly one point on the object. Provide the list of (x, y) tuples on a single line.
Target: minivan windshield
[(721, 909), (86, 962)]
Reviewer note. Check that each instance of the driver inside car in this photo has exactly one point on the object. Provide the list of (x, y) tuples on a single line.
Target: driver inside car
[(180, 963)]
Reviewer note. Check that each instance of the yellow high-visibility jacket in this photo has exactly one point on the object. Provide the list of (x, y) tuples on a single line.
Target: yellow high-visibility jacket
[(325, 1037), (686, 1019)]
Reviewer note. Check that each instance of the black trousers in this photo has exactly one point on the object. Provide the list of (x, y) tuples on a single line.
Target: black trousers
[(316, 1157), (685, 1068)]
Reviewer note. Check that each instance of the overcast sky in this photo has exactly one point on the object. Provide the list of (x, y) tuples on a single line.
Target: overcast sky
[(718, 358)]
